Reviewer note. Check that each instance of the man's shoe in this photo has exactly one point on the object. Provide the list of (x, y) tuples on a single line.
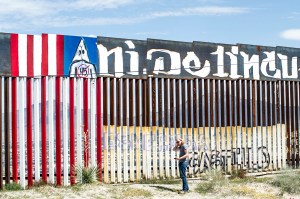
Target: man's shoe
[(182, 192)]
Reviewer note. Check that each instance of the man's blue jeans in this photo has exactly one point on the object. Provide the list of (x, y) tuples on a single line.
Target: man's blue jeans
[(182, 171)]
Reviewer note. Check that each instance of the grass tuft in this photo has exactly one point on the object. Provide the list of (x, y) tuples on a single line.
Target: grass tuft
[(12, 186), (288, 182), (86, 175)]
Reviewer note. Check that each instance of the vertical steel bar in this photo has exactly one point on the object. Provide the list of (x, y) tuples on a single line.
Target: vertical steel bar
[(140, 119), (203, 111), (225, 124), (235, 123), (150, 126), (1, 133), (65, 131), (161, 136), (298, 122), (256, 125), (186, 104), (108, 102), (242, 160), (122, 142), (168, 133), (230, 121), (157, 127), (197, 141), (180, 106), (246, 126), (271, 125), (208, 117), (285, 122), (72, 131), (29, 129), (294, 123), (86, 121), (220, 124), (251, 124), (214, 120), (266, 114), (276, 122), (14, 134), (58, 132), (290, 123), (261, 121), (7, 129)]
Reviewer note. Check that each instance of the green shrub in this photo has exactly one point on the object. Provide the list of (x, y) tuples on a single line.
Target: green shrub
[(86, 175), (13, 186)]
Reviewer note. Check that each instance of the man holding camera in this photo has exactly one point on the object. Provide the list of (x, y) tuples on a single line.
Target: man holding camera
[(183, 163)]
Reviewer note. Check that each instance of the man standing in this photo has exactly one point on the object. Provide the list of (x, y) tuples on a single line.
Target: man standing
[(183, 163)]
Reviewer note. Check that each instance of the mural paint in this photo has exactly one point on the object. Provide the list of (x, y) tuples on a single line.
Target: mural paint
[(80, 57), (198, 59)]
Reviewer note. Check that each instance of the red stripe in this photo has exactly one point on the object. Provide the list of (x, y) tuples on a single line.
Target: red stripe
[(30, 56), (99, 129), (29, 131), (58, 136), (14, 130), (60, 55), (44, 129), (86, 122), (44, 70), (14, 55), (72, 132)]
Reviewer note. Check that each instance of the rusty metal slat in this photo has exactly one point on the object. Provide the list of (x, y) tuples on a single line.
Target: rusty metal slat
[(1, 135), (284, 113), (266, 111), (275, 119), (261, 120), (214, 117), (180, 106), (294, 123), (290, 122), (203, 109), (251, 124), (256, 121), (241, 120), (208, 113), (186, 104), (235, 118), (192, 112), (246, 123), (280, 122), (225, 122), (230, 116), (298, 116), (197, 109), (174, 105), (220, 122), (7, 134), (271, 124)]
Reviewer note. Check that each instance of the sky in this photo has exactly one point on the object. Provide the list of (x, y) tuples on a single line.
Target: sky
[(257, 22)]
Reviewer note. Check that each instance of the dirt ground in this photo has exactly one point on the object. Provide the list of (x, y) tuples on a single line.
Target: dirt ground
[(155, 191)]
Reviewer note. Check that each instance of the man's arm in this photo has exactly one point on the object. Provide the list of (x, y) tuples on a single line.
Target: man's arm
[(175, 148), (186, 155)]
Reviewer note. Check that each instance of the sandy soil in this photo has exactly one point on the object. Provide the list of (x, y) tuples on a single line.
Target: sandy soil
[(156, 191)]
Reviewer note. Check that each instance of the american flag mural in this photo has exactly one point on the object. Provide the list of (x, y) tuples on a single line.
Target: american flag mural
[(120, 104)]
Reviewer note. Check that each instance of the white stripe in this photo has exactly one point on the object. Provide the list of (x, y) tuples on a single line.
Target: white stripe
[(22, 51), (22, 102), (50, 83), (36, 130), (93, 120), (37, 55), (52, 54), (79, 129), (65, 128)]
